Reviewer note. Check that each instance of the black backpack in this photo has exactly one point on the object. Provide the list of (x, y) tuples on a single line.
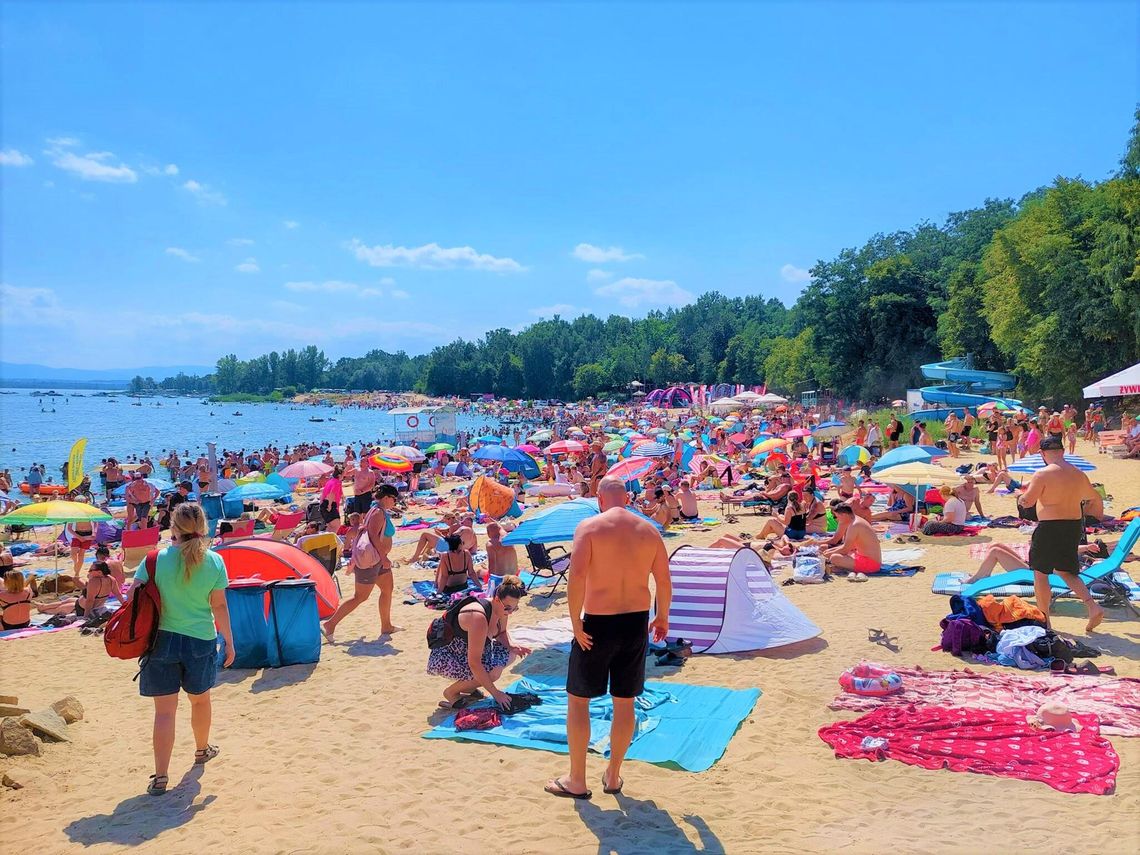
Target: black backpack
[(442, 631)]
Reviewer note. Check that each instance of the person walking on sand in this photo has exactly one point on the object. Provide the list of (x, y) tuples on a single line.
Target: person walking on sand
[(192, 581), (1059, 491), (370, 564), (613, 556)]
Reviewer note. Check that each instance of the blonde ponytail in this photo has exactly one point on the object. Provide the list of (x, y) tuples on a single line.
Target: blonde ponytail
[(189, 521)]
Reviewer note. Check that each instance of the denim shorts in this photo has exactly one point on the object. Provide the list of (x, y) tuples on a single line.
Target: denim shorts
[(179, 662)]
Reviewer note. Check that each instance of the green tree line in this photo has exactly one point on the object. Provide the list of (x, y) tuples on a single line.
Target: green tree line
[(1046, 286)]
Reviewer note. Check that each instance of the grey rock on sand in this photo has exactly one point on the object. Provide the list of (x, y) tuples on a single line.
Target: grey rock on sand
[(46, 723), (15, 739)]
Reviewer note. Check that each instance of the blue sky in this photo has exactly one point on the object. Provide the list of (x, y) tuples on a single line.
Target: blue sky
[(185, 180)]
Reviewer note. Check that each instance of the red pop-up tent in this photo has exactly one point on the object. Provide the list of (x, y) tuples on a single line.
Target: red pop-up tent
[(262, 558)]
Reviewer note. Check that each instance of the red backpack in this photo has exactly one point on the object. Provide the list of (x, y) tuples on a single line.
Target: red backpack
[(132, 629)]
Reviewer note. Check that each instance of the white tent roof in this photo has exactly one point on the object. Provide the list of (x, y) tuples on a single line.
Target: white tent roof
[(1126, 382), (726, 404), (725, 601), (771, 398), (748, 396)]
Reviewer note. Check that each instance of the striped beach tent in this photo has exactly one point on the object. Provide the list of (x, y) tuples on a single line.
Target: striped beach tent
[(724, 601)]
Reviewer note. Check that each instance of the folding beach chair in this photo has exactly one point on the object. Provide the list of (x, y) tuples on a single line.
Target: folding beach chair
[(1102, 571), (545, 566), (241, 528), (284, 525), (136, 543), (326, 547)]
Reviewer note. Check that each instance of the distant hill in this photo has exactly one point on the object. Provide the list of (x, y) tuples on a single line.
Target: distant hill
[(24, 375)]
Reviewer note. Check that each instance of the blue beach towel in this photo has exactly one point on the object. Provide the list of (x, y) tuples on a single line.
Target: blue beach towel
[(678, 725)]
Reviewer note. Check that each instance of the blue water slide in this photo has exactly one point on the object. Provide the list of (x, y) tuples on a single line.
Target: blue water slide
[(964, 388)]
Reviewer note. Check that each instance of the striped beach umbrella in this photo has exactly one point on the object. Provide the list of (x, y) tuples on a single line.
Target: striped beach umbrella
[(1035, 463)]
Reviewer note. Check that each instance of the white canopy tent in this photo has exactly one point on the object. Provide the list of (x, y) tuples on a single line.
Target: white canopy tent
[(771, 398), (1126, 382), (726, 405)]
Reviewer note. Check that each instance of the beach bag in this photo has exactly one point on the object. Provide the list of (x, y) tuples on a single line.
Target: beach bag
[(961, 635), (441, 631), (132, 629), (807, 569), (364, 554)]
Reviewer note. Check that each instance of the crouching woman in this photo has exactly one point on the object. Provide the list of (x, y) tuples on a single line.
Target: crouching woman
[(480, 647)]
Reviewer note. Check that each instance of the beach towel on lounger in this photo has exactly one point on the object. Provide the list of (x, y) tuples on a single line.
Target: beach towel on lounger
[(987, 742)]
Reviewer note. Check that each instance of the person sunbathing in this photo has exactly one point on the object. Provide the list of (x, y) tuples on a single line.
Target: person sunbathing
[(860, 550), (793, 526), (15, 602), (688, 502), (431, 539), (899, 510), (1009, 559), (456, 568)]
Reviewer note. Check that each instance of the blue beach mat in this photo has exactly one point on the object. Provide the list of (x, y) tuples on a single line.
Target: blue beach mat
[(680, 726), (898, 570), (950, 584)]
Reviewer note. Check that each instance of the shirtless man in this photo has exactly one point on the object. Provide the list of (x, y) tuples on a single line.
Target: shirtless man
[(614, 555), (847, 484), (1058, 491), (597, 467), (970, 495), (688, 501), (501, 560), (860, 550), (363, 483)]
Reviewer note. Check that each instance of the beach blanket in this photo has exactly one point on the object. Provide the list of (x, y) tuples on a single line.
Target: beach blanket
[(896, 570), (555, 634), (951, 583), (987, 742), (678, 725), (1115, 701), (903, 556)]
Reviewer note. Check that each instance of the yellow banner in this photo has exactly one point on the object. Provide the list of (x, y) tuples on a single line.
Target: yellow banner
[(75, 464)]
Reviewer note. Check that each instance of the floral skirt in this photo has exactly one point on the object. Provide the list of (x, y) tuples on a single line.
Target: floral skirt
[(451, 660)]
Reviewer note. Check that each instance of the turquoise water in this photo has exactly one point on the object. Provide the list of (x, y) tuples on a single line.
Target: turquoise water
[(31, 432)]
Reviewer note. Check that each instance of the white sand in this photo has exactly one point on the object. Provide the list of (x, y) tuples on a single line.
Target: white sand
[(329, 758)]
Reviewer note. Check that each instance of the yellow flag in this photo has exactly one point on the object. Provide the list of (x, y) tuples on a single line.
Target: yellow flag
[(75, 464)]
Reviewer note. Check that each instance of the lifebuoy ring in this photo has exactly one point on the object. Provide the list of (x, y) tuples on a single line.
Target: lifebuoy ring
[(413, 421), (431, 421)]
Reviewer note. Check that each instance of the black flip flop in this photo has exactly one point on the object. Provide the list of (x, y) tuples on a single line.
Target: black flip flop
[(616, 791), (561, 792)]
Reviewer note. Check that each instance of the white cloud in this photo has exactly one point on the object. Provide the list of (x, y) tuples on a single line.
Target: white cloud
[(335, 286), (431, 256), (600, 255), (636, 293), (35, 306), (597, 275), (169, 169), (793, 274), (94, 166), (387, 281), (563, 309), (14, 157), (250, 265), (291, 224), (179, 252), (204, 194), (62, 142), (240, 242)]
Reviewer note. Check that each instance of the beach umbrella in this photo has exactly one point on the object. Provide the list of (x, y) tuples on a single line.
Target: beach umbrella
[(306, 469), (541, 436), (251, 478), (631, 468), (436, 447), (558, 523), (613, 445), (738, 438), (1035, 463), (854, 455), (510, 459), (489, 440), (54, 512), (796, 433), (897, 403), (650, 449), (530, 449), (407, 452), (907, 454), (575, 430), (768, 445), (991, 407), (919, 476), (770, 398), (719, 463), (567, 446), (252, 492), (830, 430), (388, 463)]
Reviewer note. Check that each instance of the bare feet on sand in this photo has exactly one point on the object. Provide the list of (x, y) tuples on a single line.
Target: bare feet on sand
[(1096, 615), (390, 630)]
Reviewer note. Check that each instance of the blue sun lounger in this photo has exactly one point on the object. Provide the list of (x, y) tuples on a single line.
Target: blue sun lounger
[(1101, 570)]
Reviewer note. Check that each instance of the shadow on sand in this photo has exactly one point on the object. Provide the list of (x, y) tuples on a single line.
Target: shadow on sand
[(640, 826), (142, 818)]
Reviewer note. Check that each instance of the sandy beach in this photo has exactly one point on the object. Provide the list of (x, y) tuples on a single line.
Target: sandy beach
[(329, 758)]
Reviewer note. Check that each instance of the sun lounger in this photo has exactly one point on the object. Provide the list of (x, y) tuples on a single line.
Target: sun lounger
[(284, 524), (136, 543), (1107, 440), (1101, 570)]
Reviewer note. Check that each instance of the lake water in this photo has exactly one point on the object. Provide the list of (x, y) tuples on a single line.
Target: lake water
[(30, 431)]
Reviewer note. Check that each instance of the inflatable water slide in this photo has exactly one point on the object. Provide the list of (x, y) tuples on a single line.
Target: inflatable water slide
[(963, 388)]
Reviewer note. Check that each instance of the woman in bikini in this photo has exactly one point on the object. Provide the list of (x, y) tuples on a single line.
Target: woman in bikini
[(15, 602), (82, 539), (456, 568), (372, 572)]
